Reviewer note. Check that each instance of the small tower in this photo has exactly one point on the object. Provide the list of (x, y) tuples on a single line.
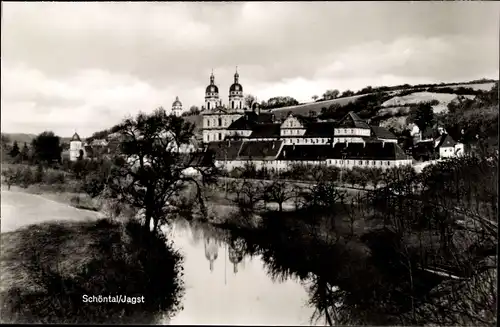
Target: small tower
[(177, 107), (212, 100), (76, 149), (236, 94)]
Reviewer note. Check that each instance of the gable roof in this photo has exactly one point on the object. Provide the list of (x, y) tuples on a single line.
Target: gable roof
[(353, 120), (266, 131), (445, 140), (382, 133), (260, 150), (368, 151), (304, 152)]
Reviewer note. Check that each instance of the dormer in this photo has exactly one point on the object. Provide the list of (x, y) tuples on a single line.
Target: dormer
[(292, 126)]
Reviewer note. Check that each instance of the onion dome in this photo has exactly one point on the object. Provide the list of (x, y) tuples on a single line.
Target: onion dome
[(212, 88), (177, 103), (236, 87), (75, 137)]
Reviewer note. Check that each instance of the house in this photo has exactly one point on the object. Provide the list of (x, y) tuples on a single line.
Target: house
[(448, 147)]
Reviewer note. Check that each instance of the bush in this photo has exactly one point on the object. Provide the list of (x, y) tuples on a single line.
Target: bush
[(111, 260)]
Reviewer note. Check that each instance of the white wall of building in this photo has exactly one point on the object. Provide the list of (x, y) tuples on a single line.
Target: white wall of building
[(285, 164), (451, 151), (74, 150), (351, 132)]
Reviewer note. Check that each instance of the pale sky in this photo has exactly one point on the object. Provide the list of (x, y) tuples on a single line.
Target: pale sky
[(85, 66)]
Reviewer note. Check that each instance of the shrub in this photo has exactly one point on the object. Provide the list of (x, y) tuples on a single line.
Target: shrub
[(115, 260)]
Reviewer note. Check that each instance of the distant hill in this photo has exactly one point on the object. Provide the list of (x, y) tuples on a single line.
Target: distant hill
[(21, 138)]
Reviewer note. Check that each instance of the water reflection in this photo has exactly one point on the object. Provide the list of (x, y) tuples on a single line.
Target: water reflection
[(211, 251), (236, 289)]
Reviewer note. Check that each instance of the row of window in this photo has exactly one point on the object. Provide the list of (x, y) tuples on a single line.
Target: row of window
[(351, 131), (218, 122), (215, 137), (360, 162)]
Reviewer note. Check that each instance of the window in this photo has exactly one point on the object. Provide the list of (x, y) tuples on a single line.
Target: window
[(220, 136), (361, 163), (208, 121), (208, 105), (220, 121), (388, 163), (373, 163)]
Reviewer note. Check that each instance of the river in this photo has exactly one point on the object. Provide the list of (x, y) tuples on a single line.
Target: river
[(225, 286), (217, 291)]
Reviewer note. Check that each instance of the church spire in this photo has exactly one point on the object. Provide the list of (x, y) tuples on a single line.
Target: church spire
[(236, 75), (212, 78)]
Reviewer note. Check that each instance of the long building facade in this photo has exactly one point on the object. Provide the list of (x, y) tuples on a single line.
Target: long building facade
[(236, 135)]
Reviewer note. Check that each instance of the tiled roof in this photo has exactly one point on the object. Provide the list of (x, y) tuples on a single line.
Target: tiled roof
[(260, 150), (353, 120), (250, 119), (201, 159), (445, 140), (266, 131), (242, 123), (304, 152), (382, 133), (320, 129), (225, 149), (305, 120), (368, 151)]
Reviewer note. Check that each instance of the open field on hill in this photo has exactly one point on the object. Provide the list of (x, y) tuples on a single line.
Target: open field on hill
[(304, 109), (418, 97), (480, 86)]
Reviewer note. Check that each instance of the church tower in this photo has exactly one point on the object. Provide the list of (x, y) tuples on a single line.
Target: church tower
[(177, 107), (236, 94), (212, 95)]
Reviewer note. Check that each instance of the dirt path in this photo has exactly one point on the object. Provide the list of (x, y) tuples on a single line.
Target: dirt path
[(19, 209)]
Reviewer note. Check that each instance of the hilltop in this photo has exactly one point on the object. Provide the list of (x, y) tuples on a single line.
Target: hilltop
[(397, 100), (22, 138)]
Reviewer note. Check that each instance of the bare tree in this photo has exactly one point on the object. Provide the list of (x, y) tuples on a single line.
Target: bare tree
[(151, 170)]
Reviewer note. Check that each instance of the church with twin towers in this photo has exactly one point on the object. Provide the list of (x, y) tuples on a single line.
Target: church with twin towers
[(217, 117)]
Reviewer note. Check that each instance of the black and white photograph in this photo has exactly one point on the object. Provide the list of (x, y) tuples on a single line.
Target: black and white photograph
[(270, 163)]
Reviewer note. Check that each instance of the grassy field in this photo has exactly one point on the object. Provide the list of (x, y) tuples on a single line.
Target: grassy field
[(48, 268), (418, 97), (304, 109)]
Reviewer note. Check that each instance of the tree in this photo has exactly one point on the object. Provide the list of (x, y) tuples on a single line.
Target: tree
[(278, 192), (315, 97), (25, 153), (14, 152), (422, 116), (249, 100), (279, 102), (150, 171), (331, 94), (347, 93), (194, 110), (46, 147), (5, 141)]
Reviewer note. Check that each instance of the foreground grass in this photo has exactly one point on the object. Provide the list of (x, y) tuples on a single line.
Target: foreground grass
[(47, 268)]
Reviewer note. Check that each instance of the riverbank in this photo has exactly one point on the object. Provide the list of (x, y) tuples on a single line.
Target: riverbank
[(47, 268)]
